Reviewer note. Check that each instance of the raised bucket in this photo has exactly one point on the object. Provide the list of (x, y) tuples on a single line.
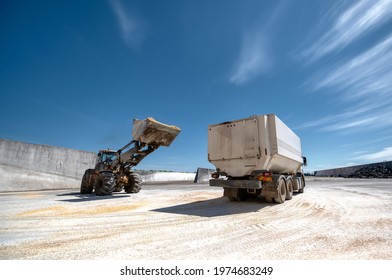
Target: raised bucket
[(154, 133)]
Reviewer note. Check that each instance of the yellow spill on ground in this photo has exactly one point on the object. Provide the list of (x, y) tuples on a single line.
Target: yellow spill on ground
[(72, 211), (31, 195)]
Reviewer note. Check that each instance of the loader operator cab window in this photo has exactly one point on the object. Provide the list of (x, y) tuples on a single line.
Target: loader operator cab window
[(107, 157)]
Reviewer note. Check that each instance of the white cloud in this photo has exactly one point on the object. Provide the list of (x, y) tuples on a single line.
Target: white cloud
[(253, 59), (385, 154), (132, 28), (360, 18), (364, 83)]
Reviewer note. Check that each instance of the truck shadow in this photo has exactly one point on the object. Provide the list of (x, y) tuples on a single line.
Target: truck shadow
[(78, 197), (216, 207)]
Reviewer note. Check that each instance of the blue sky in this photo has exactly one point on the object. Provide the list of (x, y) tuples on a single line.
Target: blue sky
[(75, 73)]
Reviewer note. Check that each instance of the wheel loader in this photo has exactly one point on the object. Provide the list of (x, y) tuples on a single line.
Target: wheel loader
[(113, 170)]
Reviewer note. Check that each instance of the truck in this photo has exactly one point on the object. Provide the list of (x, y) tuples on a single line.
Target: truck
[(256, 156), (113, 170)]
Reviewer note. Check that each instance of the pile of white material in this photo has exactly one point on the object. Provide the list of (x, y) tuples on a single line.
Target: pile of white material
[(168, 176)]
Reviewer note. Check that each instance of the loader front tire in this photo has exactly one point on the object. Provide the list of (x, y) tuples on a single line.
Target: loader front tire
[(88, 182), (134, 183), (105, 183)]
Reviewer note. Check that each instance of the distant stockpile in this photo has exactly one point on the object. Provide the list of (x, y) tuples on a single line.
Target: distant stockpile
[(373, 170)]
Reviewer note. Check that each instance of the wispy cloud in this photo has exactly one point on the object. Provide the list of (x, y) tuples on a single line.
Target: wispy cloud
[(360, 18), (364, 81), (132, 27), (254, 59), (385, 154)]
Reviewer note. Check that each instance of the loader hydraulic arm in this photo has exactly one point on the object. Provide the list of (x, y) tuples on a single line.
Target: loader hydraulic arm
[(134, 155)]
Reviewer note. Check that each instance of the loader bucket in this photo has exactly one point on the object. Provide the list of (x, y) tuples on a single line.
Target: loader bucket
[(154, 133)]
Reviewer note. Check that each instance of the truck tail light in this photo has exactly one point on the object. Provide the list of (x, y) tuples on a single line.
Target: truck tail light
[(265, 177), (215, 175)]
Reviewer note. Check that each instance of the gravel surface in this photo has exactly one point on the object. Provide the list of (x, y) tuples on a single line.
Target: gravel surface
[(333, 219)]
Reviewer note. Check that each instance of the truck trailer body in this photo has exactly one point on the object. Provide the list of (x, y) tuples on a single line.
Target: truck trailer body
[(258, 155)]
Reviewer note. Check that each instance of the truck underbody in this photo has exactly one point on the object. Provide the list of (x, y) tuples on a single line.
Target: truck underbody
[(273, 187)]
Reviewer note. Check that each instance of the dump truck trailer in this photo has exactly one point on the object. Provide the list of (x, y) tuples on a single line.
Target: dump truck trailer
[(113, 170), (256, 156)]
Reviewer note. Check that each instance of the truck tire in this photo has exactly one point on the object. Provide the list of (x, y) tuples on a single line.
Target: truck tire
[(88, 182), (281, 191), (134, 183), (289, 188), (105, 183), (302, 189)]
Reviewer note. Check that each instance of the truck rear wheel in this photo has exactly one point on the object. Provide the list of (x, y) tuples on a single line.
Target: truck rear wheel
[(134, 183), (289, 188), (105, 183), (301, 190), (281, 191)]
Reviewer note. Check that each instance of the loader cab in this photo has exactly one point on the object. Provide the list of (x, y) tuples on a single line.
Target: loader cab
[(107, 156), (105, 160)]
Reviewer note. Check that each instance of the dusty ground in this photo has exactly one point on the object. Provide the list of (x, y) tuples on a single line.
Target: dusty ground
[(333, 219)]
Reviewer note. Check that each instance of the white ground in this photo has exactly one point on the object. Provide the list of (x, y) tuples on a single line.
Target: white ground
[(333, 219)]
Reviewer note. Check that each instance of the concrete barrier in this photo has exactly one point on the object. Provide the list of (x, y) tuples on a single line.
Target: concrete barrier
[(345, 171), (203, 175)]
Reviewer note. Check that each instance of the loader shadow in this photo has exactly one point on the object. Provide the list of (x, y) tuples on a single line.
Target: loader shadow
[(216, 207), (78, 197)]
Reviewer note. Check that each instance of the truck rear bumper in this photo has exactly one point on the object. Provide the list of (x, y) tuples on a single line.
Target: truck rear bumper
[(268, 189), (236, 184)]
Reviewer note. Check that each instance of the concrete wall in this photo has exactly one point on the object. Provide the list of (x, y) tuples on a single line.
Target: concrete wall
[(46, 159), (25, 167), (18, 179), (345, 171)]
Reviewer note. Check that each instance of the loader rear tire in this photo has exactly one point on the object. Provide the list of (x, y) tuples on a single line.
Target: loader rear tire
[(105, 183), (88, 182), (281, 191), (134, 183)]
